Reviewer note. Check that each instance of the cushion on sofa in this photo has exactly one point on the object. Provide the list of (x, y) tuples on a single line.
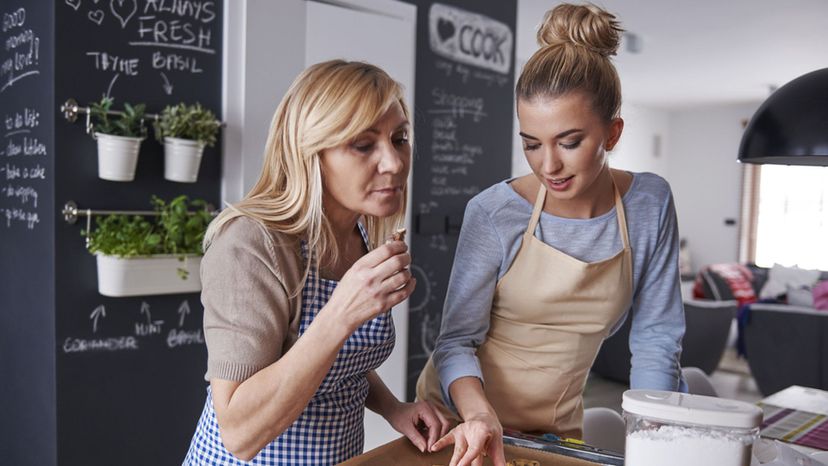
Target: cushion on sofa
[(723, 282), (820, 295), (781, 278)]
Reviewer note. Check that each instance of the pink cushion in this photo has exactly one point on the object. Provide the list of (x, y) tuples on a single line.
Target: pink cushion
[(821, 295)]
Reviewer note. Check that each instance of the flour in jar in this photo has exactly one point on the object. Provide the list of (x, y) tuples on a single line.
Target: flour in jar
[(684, 446)]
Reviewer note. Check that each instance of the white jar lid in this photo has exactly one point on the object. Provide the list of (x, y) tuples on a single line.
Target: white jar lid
[(693, 409)]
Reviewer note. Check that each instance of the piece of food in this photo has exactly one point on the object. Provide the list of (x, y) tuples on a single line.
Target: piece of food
[(522, 462), (399, 235)]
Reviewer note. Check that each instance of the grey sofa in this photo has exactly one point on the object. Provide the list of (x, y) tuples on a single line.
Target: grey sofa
[(786, 345), (708, 328)]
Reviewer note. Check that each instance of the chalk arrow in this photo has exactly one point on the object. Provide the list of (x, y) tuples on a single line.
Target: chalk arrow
[(183, 310), (99, 312), (111, 83), (168, 88), (145, 309)]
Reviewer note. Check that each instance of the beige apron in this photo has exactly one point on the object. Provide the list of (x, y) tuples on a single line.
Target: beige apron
[(550, 314)]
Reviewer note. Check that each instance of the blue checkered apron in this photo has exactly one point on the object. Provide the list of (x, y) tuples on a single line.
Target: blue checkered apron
[(330, 429)]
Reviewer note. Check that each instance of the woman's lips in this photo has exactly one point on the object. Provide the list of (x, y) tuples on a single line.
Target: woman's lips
[(390, 191), (559, 184)]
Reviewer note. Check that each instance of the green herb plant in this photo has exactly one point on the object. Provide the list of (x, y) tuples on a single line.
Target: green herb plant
[(130, 123), (187, 122), (178, 229)]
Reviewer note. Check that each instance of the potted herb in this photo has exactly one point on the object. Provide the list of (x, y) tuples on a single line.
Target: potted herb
[(150, 255), (185, 130), (119, 139)]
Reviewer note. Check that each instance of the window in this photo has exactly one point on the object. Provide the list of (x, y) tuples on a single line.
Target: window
[(785, 216)]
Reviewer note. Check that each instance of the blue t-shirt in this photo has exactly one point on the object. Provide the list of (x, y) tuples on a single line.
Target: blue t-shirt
[(490, 238)]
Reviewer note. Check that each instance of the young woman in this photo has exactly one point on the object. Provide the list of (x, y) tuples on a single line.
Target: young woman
[(298, 281), (550, 263)]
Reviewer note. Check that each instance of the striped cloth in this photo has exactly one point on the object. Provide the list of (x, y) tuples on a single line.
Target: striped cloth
[(795, 426), (330, 429)]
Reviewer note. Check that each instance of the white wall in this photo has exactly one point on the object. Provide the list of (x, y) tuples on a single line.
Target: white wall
[(706, 178), (264, 51), (643, 143)]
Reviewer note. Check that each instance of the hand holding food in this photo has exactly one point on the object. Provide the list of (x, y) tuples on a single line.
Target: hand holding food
[(375, 283)]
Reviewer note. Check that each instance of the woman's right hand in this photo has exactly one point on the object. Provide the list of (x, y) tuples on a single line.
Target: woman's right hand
[(480, 435), (376, 282)]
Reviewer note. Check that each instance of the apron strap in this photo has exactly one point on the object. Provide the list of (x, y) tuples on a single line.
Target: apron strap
[(620, 214), (533, 221)]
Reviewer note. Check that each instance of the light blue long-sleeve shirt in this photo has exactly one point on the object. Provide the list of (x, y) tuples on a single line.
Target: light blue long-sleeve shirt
[(490, 238)]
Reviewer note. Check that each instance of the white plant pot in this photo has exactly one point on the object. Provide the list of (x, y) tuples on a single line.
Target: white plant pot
[(117, 156), (182, 158), (150, 275)]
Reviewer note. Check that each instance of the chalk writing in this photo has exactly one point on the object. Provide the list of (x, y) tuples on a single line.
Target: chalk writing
[(178, 337), (204, 11), (175, 62), (174, 34), (470, 38), (23, 216), (12, 171), (150, 327), (457, 106), (24, 194), (21, 50), (108, 62), (78, 345)]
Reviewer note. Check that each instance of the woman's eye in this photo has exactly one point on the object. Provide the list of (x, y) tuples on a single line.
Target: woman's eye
[(401, 139), (527, 146), (364, 147), (571, 145)]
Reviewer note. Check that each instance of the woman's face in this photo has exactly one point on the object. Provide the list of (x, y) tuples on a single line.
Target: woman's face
[(366, 175), (565, 142)]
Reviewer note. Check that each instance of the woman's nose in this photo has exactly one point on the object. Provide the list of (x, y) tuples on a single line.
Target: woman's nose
[(391, 160), (551, 162)]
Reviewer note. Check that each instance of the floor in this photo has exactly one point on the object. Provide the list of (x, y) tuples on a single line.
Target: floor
[(731, 380)]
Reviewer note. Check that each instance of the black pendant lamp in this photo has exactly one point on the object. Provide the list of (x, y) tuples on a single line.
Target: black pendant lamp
[(791, 126)]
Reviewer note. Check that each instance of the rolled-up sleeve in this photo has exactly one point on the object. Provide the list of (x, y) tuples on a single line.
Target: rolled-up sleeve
[(468, 304), (246, 306), (658, 313)]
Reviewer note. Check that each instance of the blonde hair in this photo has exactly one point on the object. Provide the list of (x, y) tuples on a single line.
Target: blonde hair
[(576, 42), (329, 104)]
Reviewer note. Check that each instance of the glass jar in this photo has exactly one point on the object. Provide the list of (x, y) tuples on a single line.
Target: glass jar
[(679, 429)]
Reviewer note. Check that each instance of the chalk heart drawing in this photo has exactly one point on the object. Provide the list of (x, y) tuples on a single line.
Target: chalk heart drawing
[(445, 29), (74, 4), (123, 10), (96, 16)]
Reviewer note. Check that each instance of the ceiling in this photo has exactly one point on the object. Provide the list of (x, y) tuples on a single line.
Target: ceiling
[(695, 53)]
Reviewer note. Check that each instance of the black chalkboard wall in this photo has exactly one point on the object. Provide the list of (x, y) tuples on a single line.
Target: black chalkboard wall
[(27, 220), (463, 123), (104, 380)]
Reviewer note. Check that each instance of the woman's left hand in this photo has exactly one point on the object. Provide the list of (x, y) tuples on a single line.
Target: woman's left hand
[(415, 419)]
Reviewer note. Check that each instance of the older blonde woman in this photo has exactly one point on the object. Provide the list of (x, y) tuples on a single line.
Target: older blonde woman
[(298, 281)]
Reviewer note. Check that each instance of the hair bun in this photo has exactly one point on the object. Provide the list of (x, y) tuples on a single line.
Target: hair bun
[(587, 26)]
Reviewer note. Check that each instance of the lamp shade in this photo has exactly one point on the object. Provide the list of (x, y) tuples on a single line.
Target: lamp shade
[(791, 126)]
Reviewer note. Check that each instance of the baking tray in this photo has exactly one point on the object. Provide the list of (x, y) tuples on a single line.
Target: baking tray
[(401, 452)]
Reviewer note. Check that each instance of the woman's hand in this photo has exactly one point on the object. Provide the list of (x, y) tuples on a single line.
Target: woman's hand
[(480, 435), (415, 419), (375, 283)]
